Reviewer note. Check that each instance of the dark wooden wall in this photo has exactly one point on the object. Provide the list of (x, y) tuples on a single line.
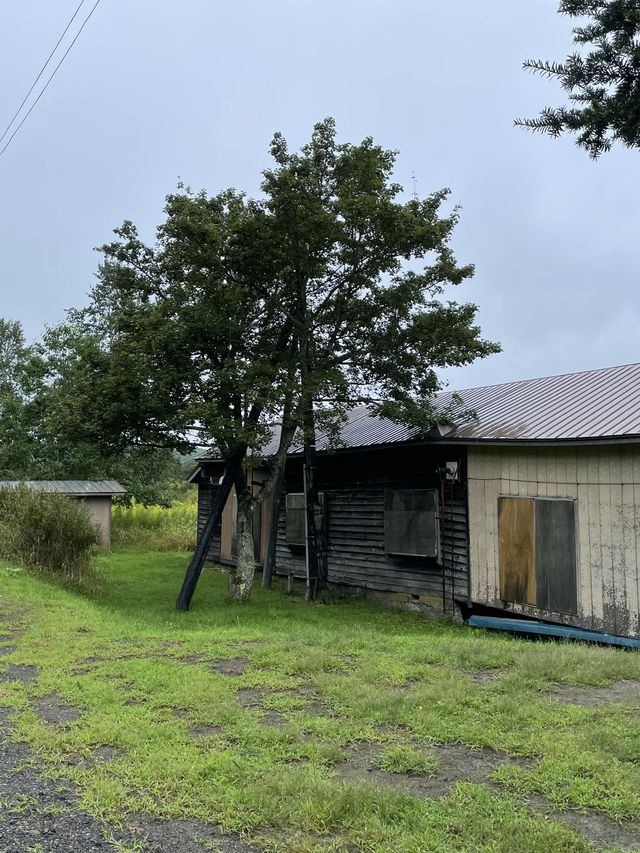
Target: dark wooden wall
[(206, 494), (354, 485)]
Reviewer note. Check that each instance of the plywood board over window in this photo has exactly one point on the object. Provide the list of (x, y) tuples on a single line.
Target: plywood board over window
[(295, 518), (538, 552), (516, 528)]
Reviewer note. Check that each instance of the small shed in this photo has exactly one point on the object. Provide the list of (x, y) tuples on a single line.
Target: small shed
[(96, 497)]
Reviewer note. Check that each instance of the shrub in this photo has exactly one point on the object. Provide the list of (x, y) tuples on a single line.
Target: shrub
[(48, 533)]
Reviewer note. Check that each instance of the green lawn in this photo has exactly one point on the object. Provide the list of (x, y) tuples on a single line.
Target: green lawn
[(313, 728)]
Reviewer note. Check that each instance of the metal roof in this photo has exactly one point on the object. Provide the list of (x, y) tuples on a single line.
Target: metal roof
[(74, 488), (593, 405), (590, 405)]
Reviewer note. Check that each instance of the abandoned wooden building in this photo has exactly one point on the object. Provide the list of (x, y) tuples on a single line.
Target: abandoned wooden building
[(533, 507), (95, 495)]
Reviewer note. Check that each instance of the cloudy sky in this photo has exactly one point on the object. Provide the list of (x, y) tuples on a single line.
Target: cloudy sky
[(156, 91)]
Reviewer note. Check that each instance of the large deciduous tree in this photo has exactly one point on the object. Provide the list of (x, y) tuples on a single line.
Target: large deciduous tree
[(324, 293), (602, 81)]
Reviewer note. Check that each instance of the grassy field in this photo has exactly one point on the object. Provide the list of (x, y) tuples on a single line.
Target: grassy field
[(321, 728), (156, 528)]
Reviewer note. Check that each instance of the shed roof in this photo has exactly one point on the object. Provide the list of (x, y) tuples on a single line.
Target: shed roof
[(73, 488)]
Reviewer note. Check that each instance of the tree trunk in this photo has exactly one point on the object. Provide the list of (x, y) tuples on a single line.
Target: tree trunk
[(241, 575), (194, 569)]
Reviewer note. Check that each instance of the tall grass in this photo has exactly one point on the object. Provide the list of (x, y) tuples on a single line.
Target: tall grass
[(156, 528)]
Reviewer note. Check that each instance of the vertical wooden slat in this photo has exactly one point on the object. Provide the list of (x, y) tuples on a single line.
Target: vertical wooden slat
[(606, 538), (635, 465), (618, 545), (543, 471), (532, 471), (523, 470), (517, 550), (595, 539), (493, 461), (585, 604), (628, 534)]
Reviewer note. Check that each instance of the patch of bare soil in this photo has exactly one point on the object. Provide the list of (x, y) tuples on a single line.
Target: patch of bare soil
[(191, 659), (158, 836), (271, 718), (7, 649), (591, 697), (250, 697), (19, 672), (100, 755), (106, 753), (205, 731), (53, 710), (457, 763), (600, 830), (230, 666)]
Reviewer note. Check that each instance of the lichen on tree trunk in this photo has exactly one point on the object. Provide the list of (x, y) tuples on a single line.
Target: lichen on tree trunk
[(241, 575)]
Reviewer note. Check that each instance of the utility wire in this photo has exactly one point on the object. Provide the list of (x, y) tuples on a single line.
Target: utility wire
[(41, 72), (53, 74)]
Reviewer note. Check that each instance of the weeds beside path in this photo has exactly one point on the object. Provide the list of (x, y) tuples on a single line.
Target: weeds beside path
[(309, 728)]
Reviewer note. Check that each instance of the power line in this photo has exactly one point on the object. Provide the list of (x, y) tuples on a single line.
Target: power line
[(53, 74), (41, 72)]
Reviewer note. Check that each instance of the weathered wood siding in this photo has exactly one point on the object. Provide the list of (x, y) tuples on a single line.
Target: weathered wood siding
[(604, 481), (354, 488), (206, 494)]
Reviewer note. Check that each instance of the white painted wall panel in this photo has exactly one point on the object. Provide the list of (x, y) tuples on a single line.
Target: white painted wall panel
[(605, 482)]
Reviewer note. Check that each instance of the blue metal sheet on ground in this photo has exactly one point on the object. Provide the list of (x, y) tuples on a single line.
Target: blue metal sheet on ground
[(523, 626)]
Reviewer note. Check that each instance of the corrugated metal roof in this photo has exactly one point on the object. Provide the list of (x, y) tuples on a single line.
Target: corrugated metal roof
[(74, 488), (589, 405), (593, 405)]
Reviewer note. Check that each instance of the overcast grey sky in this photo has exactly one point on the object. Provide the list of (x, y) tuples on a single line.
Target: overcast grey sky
[(155, 91)]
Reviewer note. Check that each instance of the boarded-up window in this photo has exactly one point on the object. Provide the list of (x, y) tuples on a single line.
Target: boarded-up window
[(411, 522), (295, 518), (538, 552)]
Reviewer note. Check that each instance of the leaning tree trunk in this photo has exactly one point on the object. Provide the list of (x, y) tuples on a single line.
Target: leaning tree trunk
[(241, 575)]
